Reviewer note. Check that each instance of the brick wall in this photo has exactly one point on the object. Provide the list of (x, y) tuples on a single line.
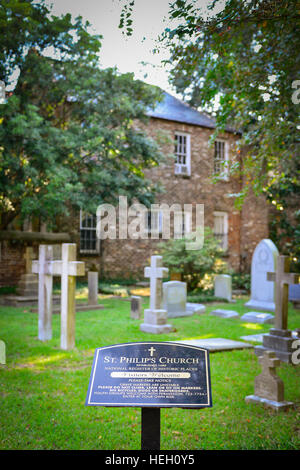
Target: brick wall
[(127, 258), (12, 263)]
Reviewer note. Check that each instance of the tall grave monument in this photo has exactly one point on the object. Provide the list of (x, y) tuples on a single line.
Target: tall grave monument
[(155, 318), (28, 284), (279, 339), (264, 260), (42, 267)]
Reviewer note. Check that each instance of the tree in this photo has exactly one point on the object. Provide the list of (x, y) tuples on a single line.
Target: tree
[(240, 61), (67, 131), (193, 264)]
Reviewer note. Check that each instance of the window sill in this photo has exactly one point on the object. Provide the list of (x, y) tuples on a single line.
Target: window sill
[(88, 253), (182, 176)]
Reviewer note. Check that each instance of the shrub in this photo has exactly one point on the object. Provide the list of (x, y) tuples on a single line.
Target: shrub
[(193, 264)]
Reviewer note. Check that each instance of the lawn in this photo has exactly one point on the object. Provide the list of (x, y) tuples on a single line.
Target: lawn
[(43, 388)]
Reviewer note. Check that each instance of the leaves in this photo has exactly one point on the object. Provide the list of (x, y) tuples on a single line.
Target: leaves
[(245, 55), (67, 132)]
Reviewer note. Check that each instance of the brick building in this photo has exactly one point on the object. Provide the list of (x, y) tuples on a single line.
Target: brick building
[(187, 179)]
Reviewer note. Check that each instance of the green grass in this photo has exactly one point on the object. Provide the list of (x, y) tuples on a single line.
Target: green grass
[(43, 388)]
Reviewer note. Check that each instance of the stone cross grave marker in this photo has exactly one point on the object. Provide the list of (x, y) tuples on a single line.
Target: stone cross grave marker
[(268, 387), (282, 278), (42, 267), (68, 268), (155, 318), (156, 273), (279, 339)]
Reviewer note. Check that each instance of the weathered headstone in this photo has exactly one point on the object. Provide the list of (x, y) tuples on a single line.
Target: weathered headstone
[(223, 286), (175, 300), (258, 317), (225, 313), (155, 318), (268, 387), (279, 339), (42, 267), (264, 260), (92, 288), (136, 307), (294, 295), (28, 283), (2, 353)]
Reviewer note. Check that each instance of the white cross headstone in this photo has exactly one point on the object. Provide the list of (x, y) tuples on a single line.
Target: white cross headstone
[(42, 267), (68, 268), (155, 318), (156, 273)]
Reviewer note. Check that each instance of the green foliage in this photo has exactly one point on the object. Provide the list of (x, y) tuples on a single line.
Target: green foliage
[(244, 57), (284, 196), (67, 131), (193, 264), (114, 289), (241, 281)]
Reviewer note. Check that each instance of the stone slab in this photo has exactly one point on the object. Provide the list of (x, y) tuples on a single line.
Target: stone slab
[(195, 308), (258, 317), (255, 338), (156, 329), (78, 308), (275, 405), (191, 309), (260, 305), (23, 301), (216, 344), (225, 313), (259, 338)]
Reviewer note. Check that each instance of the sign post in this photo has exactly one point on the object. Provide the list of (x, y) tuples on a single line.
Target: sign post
[(150, 375)]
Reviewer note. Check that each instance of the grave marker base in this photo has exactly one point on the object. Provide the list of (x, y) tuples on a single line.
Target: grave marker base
[(279, 341)]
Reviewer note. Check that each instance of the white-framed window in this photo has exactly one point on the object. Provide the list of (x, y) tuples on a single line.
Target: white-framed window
[(154, 222), (183, 153), (89, 243), (182, 224), (221, 158), (221, 228)]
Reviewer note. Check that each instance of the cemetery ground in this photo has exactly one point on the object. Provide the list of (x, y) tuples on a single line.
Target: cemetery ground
[(43, 388)]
